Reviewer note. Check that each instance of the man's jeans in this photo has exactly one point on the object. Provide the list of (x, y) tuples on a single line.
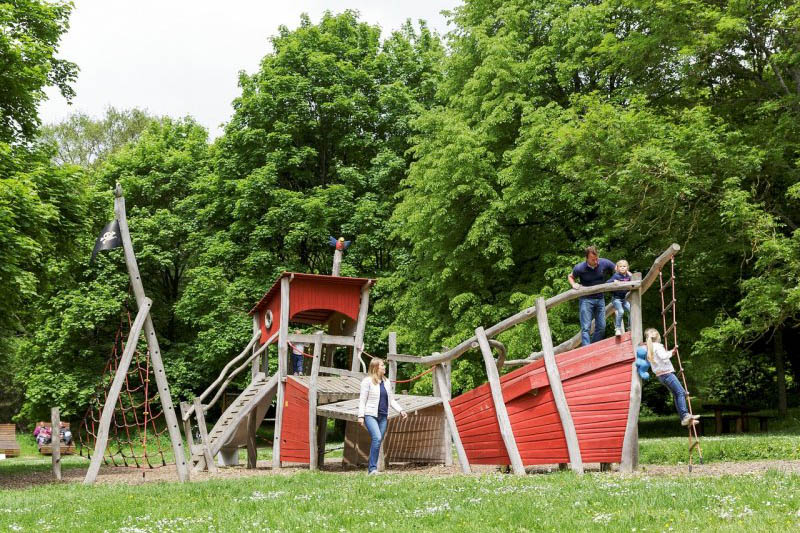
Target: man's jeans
[(619, 306), (678, 394), (377, 429), (591, 308)]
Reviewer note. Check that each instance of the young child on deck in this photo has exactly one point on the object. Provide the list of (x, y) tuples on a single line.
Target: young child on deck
[(621, 305), (659, 358)]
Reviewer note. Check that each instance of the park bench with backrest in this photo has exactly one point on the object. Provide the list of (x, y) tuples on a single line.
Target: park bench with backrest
[(8, 440), (66, 449)]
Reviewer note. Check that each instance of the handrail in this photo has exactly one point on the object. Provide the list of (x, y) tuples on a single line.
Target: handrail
[(221, 376), (530, 312), (236, 372)]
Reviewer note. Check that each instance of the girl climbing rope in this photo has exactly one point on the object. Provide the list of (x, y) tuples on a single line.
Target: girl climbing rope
[(660, 361)]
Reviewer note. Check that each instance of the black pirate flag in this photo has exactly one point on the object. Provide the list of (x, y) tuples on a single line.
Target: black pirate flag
[(109, 238)]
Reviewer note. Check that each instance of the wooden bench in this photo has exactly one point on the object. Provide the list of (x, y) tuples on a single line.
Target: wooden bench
[(66, 449), (733, 423), (8, 440)]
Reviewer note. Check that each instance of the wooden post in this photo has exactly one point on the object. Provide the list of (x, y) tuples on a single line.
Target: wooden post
[(55, 440), (313, 456), (630, 444), (152, 341), (113, 392), (337, 262), (252, 450), (187, 425), (361, 325), (554, 378), (451, 422), (204, 442), (442, 390), (499, 404), (392, 363), (252, 423), (283, 363), (255, 363)]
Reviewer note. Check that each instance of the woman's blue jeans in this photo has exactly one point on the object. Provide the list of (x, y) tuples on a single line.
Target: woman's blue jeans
[(592, 308), (377, 429), (678, 394), (620, 306)]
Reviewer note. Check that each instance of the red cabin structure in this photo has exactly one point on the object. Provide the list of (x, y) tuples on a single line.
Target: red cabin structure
[(313, 299)]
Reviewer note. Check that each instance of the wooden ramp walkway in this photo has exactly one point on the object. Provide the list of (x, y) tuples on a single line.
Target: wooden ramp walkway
[(348, 409)]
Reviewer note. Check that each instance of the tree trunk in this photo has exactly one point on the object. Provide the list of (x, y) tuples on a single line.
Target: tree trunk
[(780, 371)]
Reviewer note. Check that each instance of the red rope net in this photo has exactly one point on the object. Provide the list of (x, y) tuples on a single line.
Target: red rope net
[(135, 434)]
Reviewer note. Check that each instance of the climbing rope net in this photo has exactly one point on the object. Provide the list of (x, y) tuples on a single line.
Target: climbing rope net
[(135, 435)]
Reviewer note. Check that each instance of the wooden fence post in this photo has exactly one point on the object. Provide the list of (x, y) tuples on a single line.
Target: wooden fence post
[(55, 440), (283, 363), (630, 444), (554, 377), (451, 422), (313, 451), (204, 441), (499, 405)]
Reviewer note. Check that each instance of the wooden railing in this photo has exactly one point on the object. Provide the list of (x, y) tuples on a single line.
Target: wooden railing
[(225, 379), (530, 313)]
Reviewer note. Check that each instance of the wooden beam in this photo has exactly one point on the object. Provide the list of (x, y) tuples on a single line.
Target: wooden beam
[(361, 324), (340, 372), (554, 378), (313, 457), (337, 262), (152, 341), (204, 442), (55, 439), (283, 363), (499, 405), (451, 422), (392, 362), (339, 340), (630, 443), (252, 449), (113, 392), (254, 369)]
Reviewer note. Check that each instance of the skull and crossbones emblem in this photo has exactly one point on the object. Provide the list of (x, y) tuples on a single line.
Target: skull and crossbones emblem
[(107, 236)]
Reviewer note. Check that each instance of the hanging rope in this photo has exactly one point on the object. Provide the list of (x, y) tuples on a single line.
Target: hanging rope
[(694, 439), (135, 425)]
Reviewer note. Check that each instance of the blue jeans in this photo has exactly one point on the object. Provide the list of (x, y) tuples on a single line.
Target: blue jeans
[(297, 363), (620, 306), (678, 394), (377, 429), (591, 308)]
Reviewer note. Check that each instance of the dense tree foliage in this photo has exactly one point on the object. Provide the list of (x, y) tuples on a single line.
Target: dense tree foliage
[(469, 180)]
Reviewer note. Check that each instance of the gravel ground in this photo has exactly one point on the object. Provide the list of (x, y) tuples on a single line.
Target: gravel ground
[(133, 476)]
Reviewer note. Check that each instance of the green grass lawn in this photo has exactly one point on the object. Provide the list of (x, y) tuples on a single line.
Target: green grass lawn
[(305, 501), (308, 501)]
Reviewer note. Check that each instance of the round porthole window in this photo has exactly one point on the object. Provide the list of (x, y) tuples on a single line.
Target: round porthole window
[(268, 318)]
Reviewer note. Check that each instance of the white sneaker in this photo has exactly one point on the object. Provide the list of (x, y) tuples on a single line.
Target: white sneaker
[(689, 419), (373, 473), (617, 332)]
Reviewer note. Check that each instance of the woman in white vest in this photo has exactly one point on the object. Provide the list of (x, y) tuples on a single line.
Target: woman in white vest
[(373, 408)]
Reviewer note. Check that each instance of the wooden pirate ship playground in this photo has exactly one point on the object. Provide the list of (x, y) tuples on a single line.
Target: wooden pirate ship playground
[(564, 405)]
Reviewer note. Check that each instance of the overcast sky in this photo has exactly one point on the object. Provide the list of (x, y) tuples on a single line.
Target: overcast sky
[(181, 57)]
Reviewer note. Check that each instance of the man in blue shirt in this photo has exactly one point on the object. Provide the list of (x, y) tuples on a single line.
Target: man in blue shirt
[(591, 272)]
